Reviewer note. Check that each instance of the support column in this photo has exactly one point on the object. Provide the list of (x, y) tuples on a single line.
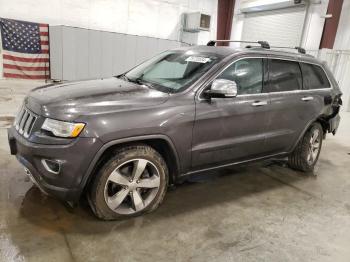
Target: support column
[(331, 24), (225, 14)]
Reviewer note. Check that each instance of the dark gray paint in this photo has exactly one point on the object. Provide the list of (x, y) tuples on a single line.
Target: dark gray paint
[(203, 133)]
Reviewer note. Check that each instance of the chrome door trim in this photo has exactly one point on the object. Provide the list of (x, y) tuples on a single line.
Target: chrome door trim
[(307, 98), (259, 103)]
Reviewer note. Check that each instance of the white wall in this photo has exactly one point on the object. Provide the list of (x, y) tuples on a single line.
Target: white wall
[(342, 39), (314, 23), (155, 18), (237, 24)]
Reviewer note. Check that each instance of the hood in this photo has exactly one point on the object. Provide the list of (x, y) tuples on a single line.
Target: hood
[(71, 100)]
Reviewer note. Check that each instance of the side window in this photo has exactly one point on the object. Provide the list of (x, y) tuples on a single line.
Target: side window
[(248, 75), (314, 77), (283, 76)]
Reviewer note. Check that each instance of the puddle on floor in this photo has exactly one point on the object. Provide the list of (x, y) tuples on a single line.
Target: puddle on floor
[(6, 121)]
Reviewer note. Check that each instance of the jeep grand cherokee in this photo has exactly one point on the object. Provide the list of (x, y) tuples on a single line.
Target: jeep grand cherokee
[(122, 140)]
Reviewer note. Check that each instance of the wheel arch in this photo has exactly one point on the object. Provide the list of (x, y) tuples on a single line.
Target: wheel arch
[(322, 120), (160, 143)]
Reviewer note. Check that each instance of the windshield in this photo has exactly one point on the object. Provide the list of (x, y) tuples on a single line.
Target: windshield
[(172, 71)]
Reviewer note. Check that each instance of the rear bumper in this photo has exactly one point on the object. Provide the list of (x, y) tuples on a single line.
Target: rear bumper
[(334, 124), (74, 159)]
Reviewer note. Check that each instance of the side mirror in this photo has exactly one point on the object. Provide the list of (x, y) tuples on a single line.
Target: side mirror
[(222, 88)]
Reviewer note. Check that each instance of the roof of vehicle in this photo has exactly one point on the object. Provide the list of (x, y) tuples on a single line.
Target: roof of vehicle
[(227, 51)]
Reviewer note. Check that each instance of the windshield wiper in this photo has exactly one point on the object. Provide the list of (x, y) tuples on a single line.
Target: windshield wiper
[(123, 76), (141, 81)]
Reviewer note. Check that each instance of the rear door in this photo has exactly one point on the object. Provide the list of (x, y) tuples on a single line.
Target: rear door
[(286, 116), (316, 95)]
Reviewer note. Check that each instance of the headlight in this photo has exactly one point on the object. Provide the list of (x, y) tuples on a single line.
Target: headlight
[(62, 129)]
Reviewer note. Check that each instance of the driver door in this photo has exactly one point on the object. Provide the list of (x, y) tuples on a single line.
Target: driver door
[(232, 129)]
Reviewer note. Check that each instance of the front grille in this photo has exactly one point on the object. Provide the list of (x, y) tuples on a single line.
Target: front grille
[(24, 122)]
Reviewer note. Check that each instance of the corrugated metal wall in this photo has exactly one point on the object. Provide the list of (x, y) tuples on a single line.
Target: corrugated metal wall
[(78, 53), (282, 27), (339, 63)]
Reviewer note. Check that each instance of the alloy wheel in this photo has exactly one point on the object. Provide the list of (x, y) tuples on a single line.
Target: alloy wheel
[(132, 186), (314, 146)]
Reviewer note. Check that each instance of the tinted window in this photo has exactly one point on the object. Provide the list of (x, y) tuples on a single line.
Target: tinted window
[(314, 77), (283, 76), (247, 73)]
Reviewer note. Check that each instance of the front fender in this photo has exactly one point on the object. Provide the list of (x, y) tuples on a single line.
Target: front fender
[(106, 146)]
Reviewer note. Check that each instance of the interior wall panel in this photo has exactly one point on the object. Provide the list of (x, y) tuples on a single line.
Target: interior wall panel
[(118, 53), (95, 52), (78, 53), (69, 52), (56, 60), (82, 54), (106, 57), (130, 48)]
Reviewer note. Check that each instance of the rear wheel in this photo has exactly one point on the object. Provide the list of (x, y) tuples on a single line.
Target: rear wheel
[(306, 153), (131, 183)]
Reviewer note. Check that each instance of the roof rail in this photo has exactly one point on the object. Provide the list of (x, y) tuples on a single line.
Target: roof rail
[(263, 44), (300, 49)]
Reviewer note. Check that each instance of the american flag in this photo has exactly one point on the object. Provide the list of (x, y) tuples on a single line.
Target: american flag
[(25, 49)]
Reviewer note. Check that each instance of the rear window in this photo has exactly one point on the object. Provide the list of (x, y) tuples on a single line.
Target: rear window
[(283, 76), (314, 77)]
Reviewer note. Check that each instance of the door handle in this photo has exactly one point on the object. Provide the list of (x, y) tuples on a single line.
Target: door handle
[(307, 98), (259, 103)]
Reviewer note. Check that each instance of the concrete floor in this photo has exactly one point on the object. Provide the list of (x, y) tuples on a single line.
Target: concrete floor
[(262, 212)]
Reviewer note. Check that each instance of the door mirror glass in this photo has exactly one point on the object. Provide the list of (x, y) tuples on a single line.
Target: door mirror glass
[(222, 88)]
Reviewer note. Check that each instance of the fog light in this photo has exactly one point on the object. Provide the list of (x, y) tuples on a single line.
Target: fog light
[(51, 166)]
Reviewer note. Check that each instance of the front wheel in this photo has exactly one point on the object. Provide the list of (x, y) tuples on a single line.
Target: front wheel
[(306, 153), (131, 183)]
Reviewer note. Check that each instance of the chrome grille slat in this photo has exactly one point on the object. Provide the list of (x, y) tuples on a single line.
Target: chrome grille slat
[(24, 122), (31, 125), (26, 127), (19, 117)]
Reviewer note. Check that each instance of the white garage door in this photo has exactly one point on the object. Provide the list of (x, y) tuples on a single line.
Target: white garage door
[(281, 27)]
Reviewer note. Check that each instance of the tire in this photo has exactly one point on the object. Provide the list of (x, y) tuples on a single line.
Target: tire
[(300, 158), (131, 183)]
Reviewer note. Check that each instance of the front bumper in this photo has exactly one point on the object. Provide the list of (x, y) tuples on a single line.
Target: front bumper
[(74, 159)]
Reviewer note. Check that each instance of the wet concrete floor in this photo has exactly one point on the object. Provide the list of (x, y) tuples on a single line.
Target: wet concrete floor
[(261, 212)]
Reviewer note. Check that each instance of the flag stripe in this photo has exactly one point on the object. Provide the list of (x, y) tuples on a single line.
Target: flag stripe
[(24, 59), (28, 73), (10, 75), (36, 64), (44, 33), (26, 68), (5, 52)]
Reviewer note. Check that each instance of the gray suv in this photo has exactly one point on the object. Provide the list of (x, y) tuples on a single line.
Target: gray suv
[(121, 141)]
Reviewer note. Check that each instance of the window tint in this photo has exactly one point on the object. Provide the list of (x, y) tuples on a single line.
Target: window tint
[(283, 76), (248, 75), (314, 77), (166, 69), (172, 71)]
